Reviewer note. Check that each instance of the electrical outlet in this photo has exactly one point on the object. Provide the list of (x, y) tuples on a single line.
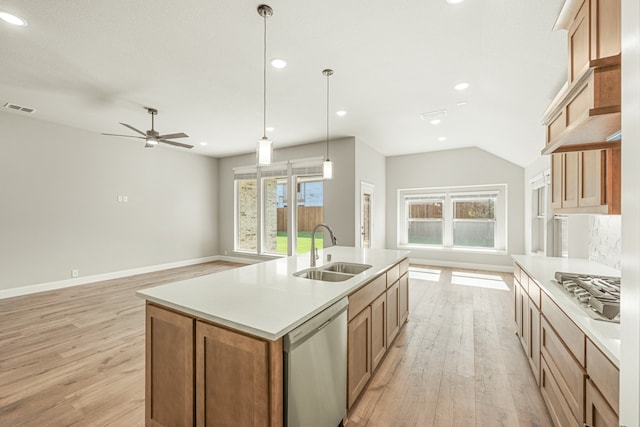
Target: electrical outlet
[(226, 252), (75, 273)]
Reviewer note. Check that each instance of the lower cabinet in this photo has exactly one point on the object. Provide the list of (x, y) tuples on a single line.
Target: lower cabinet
[(404, 298), (599, 413), (378, 330), (533, 344), (236, 379), (393, 314), (359, 366)]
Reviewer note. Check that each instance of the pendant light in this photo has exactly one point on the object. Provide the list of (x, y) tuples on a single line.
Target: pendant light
[(265, 146), (327, 165)]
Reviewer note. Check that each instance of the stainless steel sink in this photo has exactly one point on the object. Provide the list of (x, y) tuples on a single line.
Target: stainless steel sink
[(346, 267), (323, 275), (335, 272)]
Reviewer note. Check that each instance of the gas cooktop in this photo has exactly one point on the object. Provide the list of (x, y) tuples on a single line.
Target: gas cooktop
[(599, 295)]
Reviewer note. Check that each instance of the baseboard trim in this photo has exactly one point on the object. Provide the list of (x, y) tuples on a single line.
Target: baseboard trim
[(464, 265), (60, 284)]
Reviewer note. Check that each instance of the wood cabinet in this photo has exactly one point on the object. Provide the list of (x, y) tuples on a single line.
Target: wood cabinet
[(238, 378), (169, 373), (586, 181), (599, 413), (376, 313), (359, 366), (378, 330), (527, 318), (533, 344), (393, 314)]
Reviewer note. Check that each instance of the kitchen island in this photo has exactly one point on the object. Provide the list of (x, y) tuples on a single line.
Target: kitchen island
[(235, 320)]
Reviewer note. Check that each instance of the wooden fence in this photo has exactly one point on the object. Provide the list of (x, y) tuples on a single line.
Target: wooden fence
[(308, 217)]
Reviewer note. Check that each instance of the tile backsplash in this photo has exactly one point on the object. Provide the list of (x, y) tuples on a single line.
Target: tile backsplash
[(604, 239)]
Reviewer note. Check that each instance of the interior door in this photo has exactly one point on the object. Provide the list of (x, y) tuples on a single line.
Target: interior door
[(367, 191)]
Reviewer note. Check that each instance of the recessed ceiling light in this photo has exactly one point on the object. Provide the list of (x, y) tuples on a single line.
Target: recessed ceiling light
[(442, 138), (270, 129), (461, 86), (461, 103), (435, 121), (13, 19), (341, 113), (203, 143), (278, 63), (454, 1)]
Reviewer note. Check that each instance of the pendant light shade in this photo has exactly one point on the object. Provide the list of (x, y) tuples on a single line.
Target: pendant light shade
[(327, 166), (264, 151)]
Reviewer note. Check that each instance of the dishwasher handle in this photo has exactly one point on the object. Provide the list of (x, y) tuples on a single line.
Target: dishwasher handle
[(313, 325)]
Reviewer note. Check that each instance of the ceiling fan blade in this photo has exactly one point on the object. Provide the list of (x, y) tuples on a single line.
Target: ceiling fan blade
[(174, 135), (177, 144), (126, 136), (134, 129)]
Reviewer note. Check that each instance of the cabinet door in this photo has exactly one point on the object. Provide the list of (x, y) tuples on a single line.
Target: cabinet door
[(599, 413), (378, 330), (517, 290), (393, 312), (556, 180), (571, 180), (591, 179), (605, 28), (359, 354), (236, 379), (404, 298), (533, 348), (579, 43), (169, 368), (524, 332)]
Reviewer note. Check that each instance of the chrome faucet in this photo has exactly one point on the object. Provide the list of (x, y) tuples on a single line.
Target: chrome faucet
[(314, 251)]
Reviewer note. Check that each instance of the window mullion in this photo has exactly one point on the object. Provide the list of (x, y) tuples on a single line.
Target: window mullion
[(448, 221)]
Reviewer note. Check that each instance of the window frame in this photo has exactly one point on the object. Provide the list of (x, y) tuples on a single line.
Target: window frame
[(499, 191)]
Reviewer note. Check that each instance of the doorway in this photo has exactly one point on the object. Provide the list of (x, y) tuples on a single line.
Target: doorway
[(367, 193)]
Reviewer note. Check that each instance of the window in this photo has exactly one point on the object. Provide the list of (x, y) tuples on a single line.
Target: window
[(264, 223), (540, 233), (453, 218)]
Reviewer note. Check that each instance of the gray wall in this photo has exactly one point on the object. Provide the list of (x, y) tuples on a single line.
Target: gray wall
[(371, 167), (59, 189), (339, 193), (461, 167)]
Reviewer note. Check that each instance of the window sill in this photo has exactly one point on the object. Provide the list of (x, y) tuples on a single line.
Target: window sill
[(454, 250)]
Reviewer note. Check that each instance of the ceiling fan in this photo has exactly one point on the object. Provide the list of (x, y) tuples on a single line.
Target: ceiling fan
[(152, 137)]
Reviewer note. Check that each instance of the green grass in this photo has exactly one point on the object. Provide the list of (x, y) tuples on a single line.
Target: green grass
[(304, 242)]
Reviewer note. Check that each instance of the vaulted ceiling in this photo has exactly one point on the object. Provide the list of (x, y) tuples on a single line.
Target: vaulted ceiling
[(91, 64)]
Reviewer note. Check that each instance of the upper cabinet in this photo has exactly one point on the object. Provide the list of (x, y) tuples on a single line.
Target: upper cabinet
[(586, 111)]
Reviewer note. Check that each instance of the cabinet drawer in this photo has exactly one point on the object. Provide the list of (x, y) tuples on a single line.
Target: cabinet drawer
[(566, 371), (393, 274), (558, 408), (404, 266), (366, 294), (568, 332), (604, 375)]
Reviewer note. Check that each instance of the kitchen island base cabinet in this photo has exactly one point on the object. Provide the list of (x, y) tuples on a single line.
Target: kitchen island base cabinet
[(236, 376), (378, 330), (393, 314), (237, 379), (169, 372), (359, 354)]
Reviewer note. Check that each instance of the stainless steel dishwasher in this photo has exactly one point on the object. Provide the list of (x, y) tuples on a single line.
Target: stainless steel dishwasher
[(315, 370)]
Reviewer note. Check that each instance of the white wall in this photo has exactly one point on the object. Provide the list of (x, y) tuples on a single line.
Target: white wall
[(59, 189), (630, 305), (339, 193), (462, 167), (371, 168)]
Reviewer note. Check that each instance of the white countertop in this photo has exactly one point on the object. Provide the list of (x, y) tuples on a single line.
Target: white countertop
[(605, 335), (265, 299)]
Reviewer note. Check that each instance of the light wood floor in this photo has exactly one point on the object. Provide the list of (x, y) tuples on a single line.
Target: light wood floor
[(76, 357), (457, 362)]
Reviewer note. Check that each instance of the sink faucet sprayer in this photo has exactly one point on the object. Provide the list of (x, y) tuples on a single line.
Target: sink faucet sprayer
[(314, 251)]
